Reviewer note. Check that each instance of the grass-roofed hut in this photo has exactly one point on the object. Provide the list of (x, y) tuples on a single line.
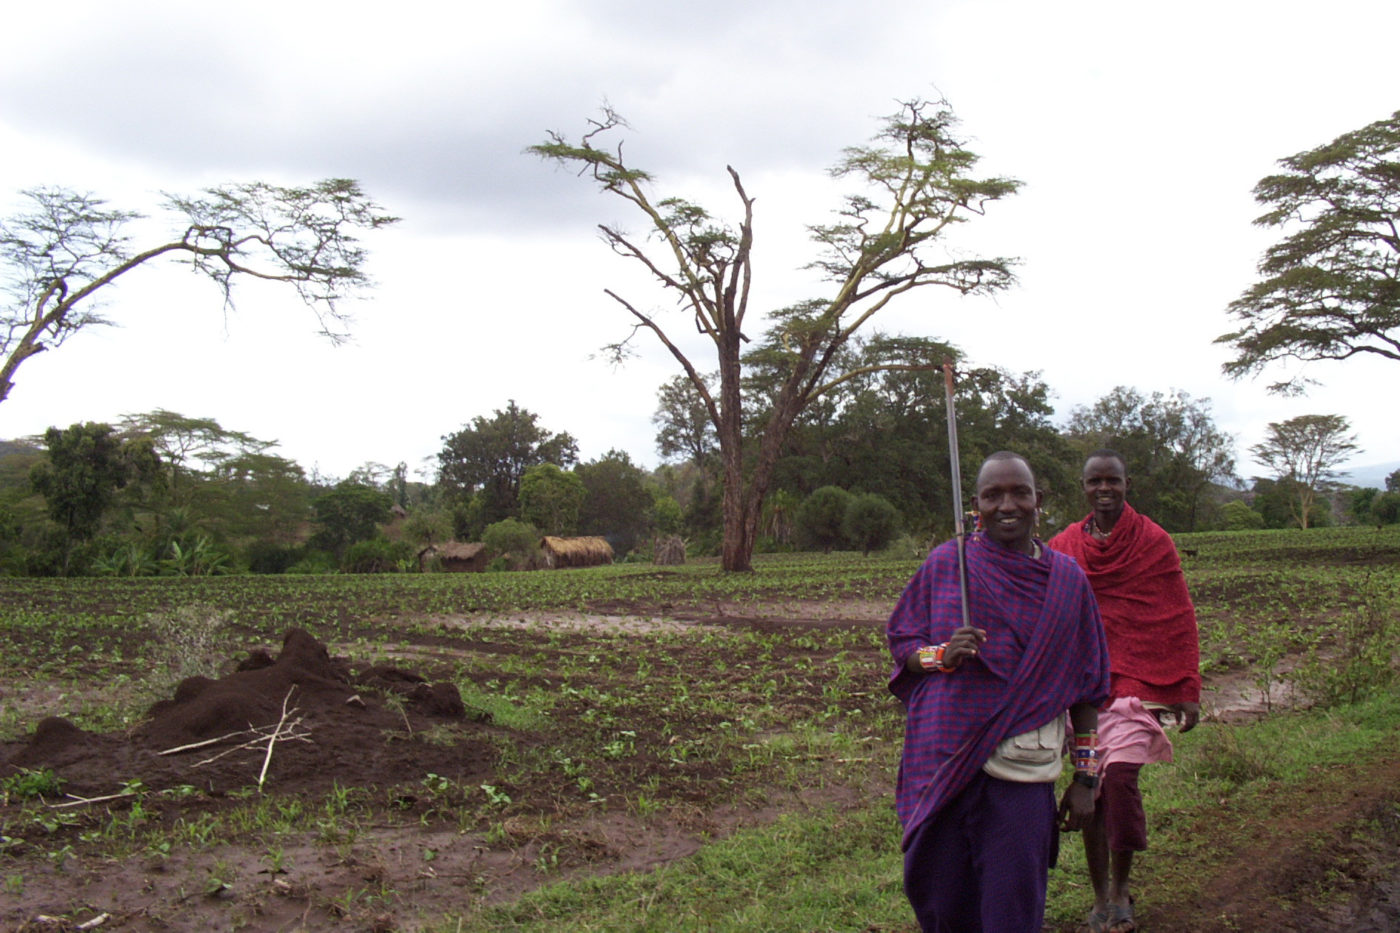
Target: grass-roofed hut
[(454, 556), (587, 551)]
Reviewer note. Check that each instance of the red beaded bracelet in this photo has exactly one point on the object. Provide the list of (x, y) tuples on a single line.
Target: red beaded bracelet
[(931, 658)]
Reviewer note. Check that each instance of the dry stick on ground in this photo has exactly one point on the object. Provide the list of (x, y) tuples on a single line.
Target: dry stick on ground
[(257, 743), (63, 922), (194, 745), (80, 801), (260, 733), (272, 739), (280, 731)]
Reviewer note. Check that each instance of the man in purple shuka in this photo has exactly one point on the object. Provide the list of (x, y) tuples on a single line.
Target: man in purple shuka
[(985, 713)]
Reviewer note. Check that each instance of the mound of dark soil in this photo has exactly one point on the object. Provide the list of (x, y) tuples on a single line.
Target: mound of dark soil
[(325, 724)]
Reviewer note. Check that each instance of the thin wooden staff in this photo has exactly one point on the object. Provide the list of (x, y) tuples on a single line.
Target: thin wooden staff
[(959, 526)]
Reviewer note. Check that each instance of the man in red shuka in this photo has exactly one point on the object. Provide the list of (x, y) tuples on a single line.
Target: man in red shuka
[(1154, 653)]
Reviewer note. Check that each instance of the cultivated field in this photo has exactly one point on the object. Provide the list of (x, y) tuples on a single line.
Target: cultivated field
[(636, 748)]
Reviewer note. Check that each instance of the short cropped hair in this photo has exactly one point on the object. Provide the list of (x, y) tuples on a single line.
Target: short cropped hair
[(1010, 455), (1105, 453)]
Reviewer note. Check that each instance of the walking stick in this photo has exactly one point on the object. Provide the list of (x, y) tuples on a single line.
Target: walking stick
[(959, 528)]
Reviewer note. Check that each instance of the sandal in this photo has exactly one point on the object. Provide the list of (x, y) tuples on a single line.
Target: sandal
[(1098, 921), (1120, 919)]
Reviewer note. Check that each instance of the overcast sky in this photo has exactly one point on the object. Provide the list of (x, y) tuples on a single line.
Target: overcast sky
[(1138, 134)]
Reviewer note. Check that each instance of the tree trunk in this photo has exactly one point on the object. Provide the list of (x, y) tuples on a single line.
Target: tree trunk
[(742, 514), (736, 553)]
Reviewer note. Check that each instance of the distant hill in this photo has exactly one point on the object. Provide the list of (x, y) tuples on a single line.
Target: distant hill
[(15, 447), (1372, 476)]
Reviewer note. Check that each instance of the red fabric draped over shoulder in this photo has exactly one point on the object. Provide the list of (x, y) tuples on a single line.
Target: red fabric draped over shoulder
[(1148, 617)]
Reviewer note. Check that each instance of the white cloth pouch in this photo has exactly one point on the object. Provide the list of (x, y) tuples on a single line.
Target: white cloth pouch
[(1034, 756)]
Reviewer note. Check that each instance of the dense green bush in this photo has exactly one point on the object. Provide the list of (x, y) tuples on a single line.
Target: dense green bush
[(378, 555), (870, 523), (1385, 509), (516, 541), (1236, 516), (314, 561), (820, 518), (266, 557)]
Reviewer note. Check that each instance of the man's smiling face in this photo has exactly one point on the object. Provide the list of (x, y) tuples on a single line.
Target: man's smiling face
[(1007, 501), (1105, 486)]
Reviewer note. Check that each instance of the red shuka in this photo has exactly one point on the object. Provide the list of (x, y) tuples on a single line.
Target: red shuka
[(1153, 646)]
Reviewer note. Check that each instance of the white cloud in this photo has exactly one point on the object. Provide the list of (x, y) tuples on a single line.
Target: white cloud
[(1138, 131)]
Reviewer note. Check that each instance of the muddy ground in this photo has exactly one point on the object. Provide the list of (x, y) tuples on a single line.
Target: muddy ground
[(389, 849)]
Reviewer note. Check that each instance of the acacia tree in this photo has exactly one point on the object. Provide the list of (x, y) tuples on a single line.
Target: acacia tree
[(265, 497), (683, 426), (1329, 290), (56, 257), (183, 441), (916, 183), (1304, 451)]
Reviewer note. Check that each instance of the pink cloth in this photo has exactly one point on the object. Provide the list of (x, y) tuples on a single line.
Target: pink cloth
[(1129, 732)]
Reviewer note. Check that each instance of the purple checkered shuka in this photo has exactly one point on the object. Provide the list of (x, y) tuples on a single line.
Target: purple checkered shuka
[(1045, 652)]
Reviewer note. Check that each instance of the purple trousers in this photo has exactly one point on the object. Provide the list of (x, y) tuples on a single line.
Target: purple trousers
[(979, 865)]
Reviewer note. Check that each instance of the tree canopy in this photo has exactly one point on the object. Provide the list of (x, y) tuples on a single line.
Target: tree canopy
[(913, 184), (1173, 448), (492, 454), (617, 503), (86, 465), (1330, 289), (550, 499), (183, 442), (57, 256), (1304, 452), (349, 513), (683, 426)]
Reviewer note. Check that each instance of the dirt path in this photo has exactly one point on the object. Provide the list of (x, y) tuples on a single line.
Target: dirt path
[(1327, 861)]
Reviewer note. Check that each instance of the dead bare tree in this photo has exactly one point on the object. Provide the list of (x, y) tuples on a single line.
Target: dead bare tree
[(916, 185)]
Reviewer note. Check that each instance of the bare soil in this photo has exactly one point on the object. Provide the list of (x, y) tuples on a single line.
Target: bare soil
[(360, 734)]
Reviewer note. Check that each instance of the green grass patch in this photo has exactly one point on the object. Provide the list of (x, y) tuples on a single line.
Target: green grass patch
[(819, 871)]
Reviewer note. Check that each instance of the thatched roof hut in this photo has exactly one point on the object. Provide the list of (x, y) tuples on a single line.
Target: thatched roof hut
[(455, 556), (669, 550), (575, 552)]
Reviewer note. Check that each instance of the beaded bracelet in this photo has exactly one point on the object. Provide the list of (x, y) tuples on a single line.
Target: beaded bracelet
[(931, 658), (1086, 753)]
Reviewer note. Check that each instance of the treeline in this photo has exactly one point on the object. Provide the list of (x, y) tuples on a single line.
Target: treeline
[(165, 493)]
